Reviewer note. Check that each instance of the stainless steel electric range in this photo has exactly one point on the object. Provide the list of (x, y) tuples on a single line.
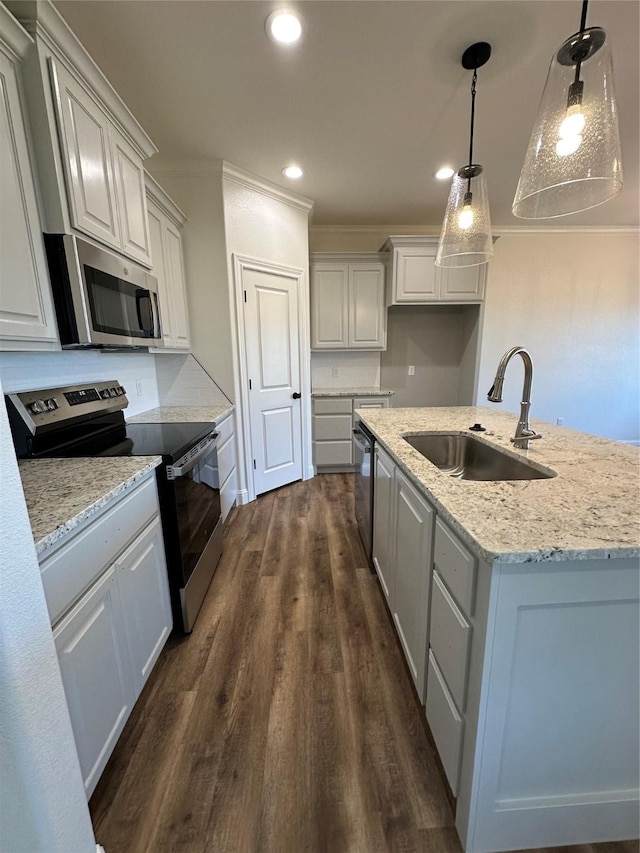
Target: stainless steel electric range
[(87, 420)]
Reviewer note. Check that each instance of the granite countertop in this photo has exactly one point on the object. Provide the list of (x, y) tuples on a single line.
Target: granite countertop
[(63, 493), (351, 392), (182, 414), (588, 511)]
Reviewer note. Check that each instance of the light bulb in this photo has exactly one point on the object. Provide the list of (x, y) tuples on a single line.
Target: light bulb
[(284, 26), (572, 125), (465, 219)]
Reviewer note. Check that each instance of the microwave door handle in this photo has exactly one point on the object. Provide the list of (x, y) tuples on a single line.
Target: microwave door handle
[(157, 327), (140, 295)]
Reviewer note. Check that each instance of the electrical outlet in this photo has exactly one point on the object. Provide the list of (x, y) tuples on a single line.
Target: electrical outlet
[(139, 390), (559, 421), (412, 370), (335, 372)]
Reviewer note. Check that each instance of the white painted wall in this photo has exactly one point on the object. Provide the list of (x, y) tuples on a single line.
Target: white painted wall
[(197, 189), (183, 382), (262, 225), (22, 371), (572, 300), (43, 808)]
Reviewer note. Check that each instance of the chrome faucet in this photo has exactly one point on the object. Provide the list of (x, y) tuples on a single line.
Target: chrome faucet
[(524, 434)]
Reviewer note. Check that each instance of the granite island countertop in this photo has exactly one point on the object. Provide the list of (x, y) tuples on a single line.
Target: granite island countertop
[(590, 510), (352, 392), (61, 494), (182, 414)]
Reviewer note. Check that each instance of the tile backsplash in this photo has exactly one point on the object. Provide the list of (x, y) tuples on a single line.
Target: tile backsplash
[(183, 382), (345, 370), (25, 371)]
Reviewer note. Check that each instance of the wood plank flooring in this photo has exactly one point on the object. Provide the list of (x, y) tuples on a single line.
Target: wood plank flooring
[(286, 723)]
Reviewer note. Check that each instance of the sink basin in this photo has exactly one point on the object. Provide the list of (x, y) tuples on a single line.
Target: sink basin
[(467, 458)]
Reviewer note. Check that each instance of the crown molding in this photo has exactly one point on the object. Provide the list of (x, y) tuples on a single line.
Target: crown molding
[(163, 200), (409, 232), (14, 39), (43, 21), (254, 182)]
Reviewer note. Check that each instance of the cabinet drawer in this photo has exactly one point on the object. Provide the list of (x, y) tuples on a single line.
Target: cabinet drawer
[(332, 405), (449, 638), (224, 428), (456, 565), (328, 427), (72, 569), (371, 402), (445, 723), (333, 452)]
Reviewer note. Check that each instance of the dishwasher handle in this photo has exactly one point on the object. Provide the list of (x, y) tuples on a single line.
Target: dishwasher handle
[(365, 446)]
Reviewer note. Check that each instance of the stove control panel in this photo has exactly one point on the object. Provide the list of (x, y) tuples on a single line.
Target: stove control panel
[(53, 406)]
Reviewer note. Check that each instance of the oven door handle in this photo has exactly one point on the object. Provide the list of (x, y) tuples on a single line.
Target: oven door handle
[(189, 461)]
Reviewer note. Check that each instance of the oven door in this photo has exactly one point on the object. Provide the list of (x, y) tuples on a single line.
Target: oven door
[(196, 490)]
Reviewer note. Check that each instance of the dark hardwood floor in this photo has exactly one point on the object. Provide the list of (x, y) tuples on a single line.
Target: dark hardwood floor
[(286, 722)]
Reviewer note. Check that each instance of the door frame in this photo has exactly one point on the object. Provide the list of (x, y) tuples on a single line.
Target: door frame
[(247, 490)]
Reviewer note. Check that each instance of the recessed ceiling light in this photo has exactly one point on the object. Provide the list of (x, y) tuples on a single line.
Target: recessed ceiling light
[(284, 26), (444, 174), (292, 172)]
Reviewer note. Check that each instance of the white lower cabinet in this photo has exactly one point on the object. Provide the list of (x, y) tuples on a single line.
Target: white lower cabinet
[(96, 673), (383, 473), (413, 533), (333, 423), (144, 594), (109, 636), (402, 553)]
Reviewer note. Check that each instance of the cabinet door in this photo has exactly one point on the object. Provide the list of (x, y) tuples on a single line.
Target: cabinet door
[(176, 280), (26, 308), (414, 520), (131, 199), (366, 306), (329, 306), (159, 265), (462, 284), (383, 539), (144, 591), (84, 136), (93, 658), (414, 274)]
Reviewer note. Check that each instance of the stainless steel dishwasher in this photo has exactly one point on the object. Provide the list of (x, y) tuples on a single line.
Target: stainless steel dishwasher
[(363, 442)]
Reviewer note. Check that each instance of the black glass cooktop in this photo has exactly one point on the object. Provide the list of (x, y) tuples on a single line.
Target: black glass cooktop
[(169, 440)]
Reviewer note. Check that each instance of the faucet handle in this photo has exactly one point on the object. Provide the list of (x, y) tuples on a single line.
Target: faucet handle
[(524, 438)]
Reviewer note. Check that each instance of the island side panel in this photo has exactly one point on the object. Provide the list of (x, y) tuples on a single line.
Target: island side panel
[(556, 756)]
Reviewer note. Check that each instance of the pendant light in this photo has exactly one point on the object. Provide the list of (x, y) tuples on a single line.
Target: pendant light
[(573, 160), (465, 240)]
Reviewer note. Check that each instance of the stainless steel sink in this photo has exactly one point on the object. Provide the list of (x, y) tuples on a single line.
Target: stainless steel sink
[(467, 458)]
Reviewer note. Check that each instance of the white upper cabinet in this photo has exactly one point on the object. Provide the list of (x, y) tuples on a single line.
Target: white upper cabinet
[(84, 137), (27, 318), (89, 148), (416, 280), (165, 230), (347, 302)]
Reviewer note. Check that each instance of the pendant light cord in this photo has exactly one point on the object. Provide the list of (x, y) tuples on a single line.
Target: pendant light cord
[(583, 26), (474, 80)]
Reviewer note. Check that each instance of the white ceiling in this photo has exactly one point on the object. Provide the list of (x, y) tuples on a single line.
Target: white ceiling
[(371, 103)]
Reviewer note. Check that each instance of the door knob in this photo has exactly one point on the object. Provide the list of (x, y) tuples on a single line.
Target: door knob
[(296, 395)]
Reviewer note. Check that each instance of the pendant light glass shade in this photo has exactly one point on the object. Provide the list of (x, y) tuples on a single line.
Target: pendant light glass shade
[(573, 160), (465, 240)]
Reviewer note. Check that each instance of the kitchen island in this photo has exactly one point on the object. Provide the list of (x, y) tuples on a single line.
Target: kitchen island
[(516, 603)]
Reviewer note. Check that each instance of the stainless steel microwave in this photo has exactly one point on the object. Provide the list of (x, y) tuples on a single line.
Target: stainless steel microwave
[(101, 299)]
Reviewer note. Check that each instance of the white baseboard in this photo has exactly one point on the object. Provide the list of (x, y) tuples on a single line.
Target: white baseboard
[(242, 497)]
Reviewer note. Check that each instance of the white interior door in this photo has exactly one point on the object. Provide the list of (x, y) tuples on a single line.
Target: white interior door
[(273, 372)]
